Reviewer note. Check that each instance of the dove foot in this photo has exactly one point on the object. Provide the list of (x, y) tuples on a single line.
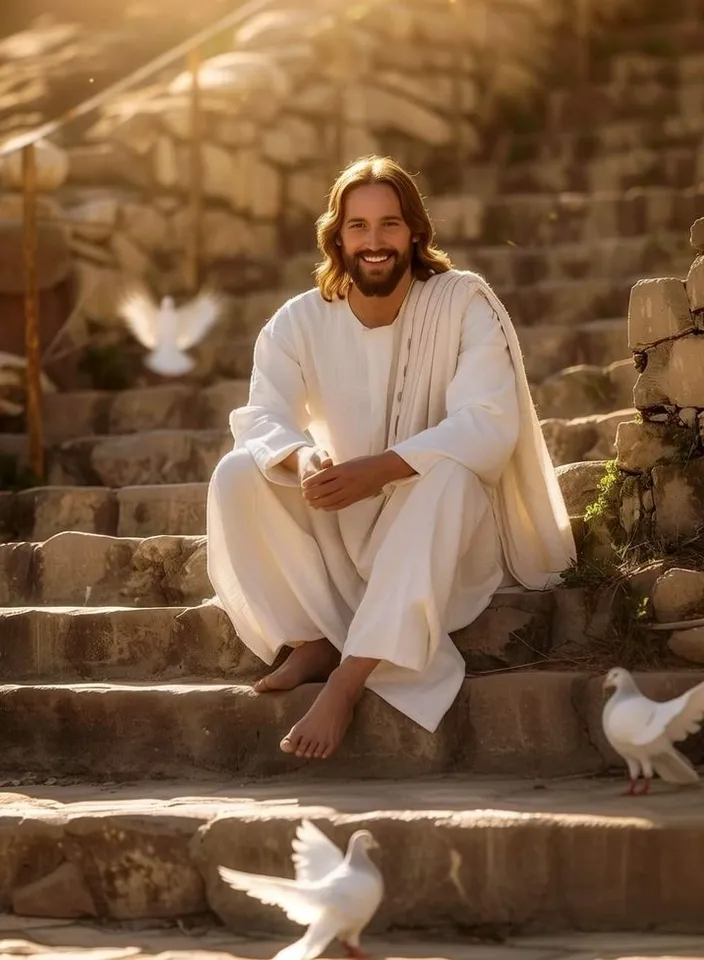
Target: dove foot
[(355, 953), (634, 792), (311, 662), (319, 733)]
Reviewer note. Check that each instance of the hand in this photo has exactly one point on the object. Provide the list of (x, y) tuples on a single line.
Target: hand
[(335, 487), (311, 460)]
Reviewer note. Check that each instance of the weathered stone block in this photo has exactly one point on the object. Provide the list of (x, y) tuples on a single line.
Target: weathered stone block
[(579, 483), (45, 511), (510, 632), (678, 492), (62, 894), (696, 235), (642, 445), (148, 511), (679, 595), (695, 287), (688, 644), (657, 310), (630, 512), (673, 375), (576, 391)]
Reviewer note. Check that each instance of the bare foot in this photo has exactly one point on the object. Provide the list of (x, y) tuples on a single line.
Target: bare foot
[(319, 733), (311, 662)]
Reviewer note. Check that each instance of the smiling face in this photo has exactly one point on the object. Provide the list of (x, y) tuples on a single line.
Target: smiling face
[(375, 240)]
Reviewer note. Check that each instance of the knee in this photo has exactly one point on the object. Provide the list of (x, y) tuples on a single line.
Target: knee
[(235, 474)]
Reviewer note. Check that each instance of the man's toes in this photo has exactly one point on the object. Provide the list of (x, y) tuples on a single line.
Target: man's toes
[(290, 743)]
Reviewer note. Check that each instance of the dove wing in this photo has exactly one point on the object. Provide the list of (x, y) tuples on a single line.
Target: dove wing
[(676, 718), (140, 314), (300, 904), (194, 319), (314, 855)]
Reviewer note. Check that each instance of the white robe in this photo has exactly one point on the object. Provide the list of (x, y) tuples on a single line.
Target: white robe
[(391, 576)]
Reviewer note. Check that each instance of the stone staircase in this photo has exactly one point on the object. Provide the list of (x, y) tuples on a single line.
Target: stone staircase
[(132, 745)]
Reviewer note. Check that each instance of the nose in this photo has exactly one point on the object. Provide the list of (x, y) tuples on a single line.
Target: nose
[(374, 238)]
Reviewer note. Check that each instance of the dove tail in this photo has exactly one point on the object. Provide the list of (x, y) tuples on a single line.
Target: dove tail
[(311, 944), (674, 768)]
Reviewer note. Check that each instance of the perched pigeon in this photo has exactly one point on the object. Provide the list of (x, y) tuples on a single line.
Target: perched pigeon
[(167, 331), (642, 731), (334, 896)]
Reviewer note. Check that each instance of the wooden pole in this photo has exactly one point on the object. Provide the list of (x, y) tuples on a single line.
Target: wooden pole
[(194, 248), (34, 411)]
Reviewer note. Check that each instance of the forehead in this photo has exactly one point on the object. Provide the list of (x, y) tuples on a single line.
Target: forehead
[(372, 201)]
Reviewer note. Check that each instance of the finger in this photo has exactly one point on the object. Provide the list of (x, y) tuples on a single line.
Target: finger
[(329, 475)]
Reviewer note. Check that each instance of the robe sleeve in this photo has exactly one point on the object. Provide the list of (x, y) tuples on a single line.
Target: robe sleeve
[(480, 430), (272, 424)]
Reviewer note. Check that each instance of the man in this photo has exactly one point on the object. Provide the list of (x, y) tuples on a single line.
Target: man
[(388, 474)]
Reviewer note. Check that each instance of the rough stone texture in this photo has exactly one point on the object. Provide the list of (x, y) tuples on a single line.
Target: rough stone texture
[(688, 644), (145, 511), (657, 310), (678, 491), (62, 894), (696, 235), (679, 595), (520, 724), (584, 438), (46, 511), (695, 286), (643, 445), (579, 483), (159, 644), (162, 456), (673, 375), (511, 631)]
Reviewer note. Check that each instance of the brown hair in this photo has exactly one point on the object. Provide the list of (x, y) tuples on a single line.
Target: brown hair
[(330, 275)]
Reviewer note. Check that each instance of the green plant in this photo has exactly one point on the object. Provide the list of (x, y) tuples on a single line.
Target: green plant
[(607, 494)]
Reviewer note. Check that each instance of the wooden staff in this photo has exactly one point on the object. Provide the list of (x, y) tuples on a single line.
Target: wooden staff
[(33, 388), (195, 234)]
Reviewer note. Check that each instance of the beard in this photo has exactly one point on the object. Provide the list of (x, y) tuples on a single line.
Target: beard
[(388, 277)]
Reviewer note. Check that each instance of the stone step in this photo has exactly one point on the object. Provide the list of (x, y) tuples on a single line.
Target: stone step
[(575, 856), (509, 265), (584, 390), (140, 511), (149, 457), (557, 216), (568, 302), (62, 643), (584, 438), (674, 167), (518, 724), (167, 407), (84, 569)]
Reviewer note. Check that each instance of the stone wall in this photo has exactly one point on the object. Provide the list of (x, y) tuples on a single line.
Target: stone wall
[(661, 454)]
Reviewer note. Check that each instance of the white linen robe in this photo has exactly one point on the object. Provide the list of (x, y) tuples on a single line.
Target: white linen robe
[(391, 576)]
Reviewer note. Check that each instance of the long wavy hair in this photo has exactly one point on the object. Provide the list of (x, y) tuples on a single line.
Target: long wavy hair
[(330, 274)]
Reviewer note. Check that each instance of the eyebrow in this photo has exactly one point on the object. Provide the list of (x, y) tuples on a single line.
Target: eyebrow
[(391, 217)]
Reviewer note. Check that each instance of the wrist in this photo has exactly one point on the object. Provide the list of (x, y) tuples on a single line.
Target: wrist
[(393, 467)]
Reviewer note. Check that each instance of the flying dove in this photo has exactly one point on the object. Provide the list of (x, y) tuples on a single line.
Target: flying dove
[(167, 331), (334, 896), (642, 731)]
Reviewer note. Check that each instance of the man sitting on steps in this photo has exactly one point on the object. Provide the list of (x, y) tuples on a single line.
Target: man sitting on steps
[(388, 474)]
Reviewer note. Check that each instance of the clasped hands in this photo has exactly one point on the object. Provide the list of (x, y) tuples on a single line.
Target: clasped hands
[(329, 486)]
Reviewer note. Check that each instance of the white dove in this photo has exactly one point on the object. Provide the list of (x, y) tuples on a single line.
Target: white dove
[(167, 331), (335, 896), (642, 731)]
